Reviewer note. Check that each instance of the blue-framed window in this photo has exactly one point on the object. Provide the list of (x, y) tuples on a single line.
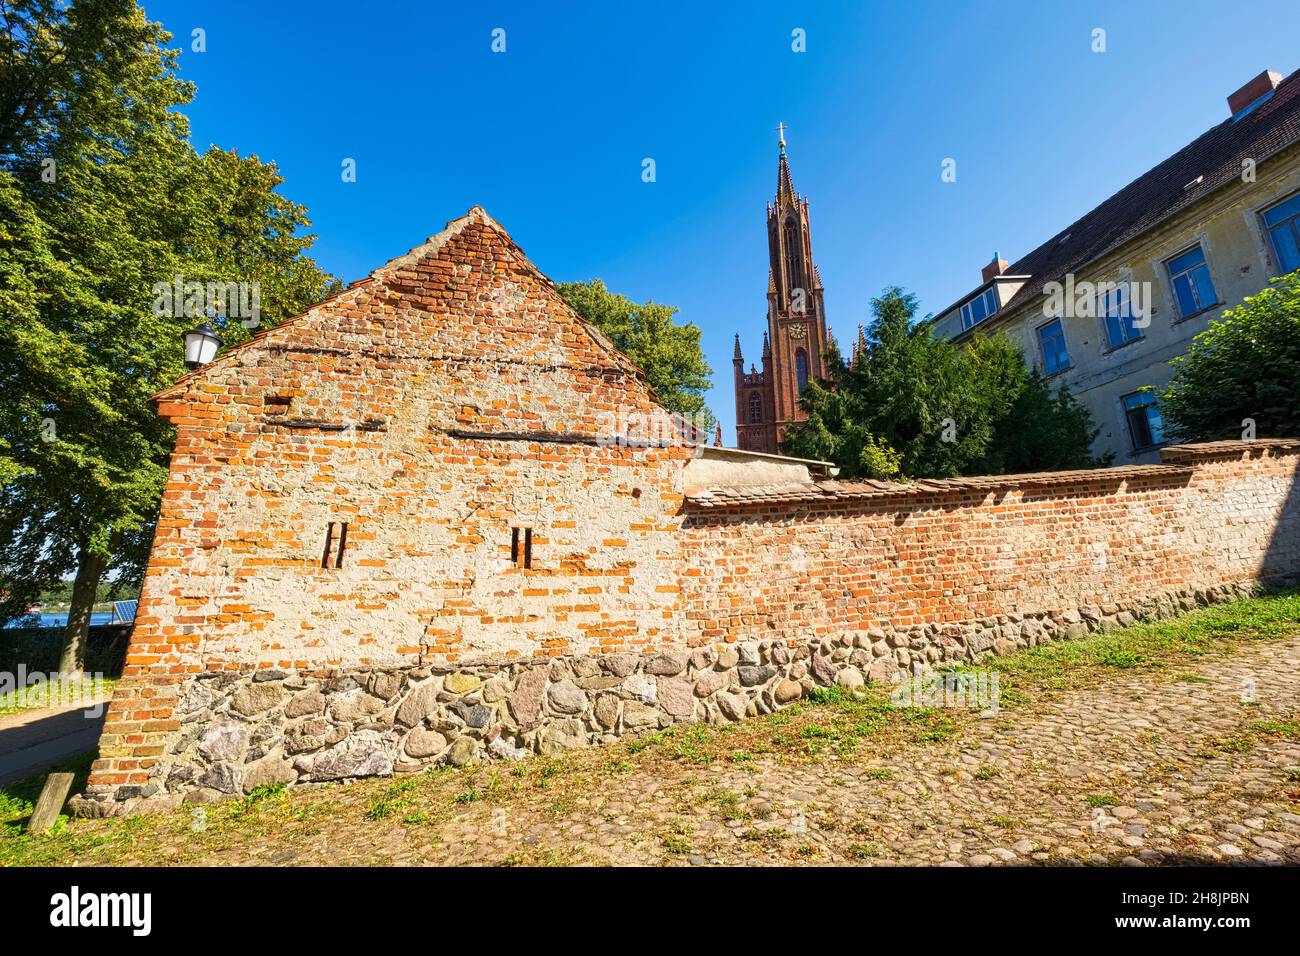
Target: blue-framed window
[(1283, 225), (1051, 340), (1116, 309), (1193, 287), (1145, 426), (979, 308)]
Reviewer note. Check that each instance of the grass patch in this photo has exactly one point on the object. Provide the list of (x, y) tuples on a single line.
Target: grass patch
[(830, 695), (1278, 728), (265, 794), (17, 799), (694, 745), (1234, 745), (1121, 657), (395, 799), (55, 694)]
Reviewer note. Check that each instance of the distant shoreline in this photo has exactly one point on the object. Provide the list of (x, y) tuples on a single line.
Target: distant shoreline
[(56, 619)]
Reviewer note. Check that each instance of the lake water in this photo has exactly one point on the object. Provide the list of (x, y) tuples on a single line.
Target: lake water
[(50, 619)]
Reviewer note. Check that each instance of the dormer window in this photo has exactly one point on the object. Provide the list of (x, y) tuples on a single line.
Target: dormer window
[(979, 308)]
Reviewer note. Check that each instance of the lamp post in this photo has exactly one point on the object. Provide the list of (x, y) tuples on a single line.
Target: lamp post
[(201, 344)]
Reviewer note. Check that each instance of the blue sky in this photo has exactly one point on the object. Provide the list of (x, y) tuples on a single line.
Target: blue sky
[(550, 136)]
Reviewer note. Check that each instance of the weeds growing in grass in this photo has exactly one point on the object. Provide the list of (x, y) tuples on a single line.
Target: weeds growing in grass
[(393, 800), (1122, 658), (1278, 728)]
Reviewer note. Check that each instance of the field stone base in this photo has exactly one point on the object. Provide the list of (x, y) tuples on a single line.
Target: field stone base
[(240, 731)]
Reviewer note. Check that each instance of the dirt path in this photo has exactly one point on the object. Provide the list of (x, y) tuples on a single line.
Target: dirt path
[(36, 739)]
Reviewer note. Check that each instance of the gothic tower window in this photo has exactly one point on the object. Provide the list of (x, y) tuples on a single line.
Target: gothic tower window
[(793, 257), (800, 370), (755, 409)]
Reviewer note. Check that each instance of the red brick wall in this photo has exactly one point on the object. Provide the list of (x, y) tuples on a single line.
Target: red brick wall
[(801, 570)]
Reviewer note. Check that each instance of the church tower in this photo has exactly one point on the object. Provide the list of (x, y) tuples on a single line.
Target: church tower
[(795, 343)]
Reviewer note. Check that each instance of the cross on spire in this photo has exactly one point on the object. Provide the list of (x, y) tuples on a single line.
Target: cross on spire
[(780, 133)]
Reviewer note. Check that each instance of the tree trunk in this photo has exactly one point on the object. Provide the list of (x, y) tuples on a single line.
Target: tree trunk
[(84, 589)]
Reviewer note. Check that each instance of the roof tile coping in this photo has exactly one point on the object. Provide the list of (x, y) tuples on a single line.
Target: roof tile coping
[(1211, 450), (1176, 462)]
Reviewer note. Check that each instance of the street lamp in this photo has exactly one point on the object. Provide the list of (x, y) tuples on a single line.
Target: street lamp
[(201, 344)]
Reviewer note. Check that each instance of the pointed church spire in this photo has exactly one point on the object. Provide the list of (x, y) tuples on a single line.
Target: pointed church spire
[(784, 183), (767, 346), (737, 355)]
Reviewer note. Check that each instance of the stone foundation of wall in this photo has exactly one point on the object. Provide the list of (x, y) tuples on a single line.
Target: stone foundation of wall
[(241, 730)]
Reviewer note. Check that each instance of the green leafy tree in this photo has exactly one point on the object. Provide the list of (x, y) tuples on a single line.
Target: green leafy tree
[(668, 353), (102, 198), (1042, 430), (914, 405), (1242, 369)]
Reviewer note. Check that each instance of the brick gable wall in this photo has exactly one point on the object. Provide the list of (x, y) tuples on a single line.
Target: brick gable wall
[(394, 389)]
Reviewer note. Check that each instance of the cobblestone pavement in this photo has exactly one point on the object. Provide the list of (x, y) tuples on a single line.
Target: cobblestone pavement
[(1197, 765)]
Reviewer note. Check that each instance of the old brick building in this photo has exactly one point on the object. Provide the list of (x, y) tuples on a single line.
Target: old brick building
[(420, 523), (795, 342)]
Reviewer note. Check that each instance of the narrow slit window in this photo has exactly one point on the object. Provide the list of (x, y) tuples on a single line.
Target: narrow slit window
[(336, 542), (521, 547)]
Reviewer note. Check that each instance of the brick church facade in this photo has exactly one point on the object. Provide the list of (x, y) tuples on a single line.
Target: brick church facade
[(796, 338)]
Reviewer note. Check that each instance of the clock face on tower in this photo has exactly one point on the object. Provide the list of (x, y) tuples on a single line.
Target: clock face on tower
[(798, 331)]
